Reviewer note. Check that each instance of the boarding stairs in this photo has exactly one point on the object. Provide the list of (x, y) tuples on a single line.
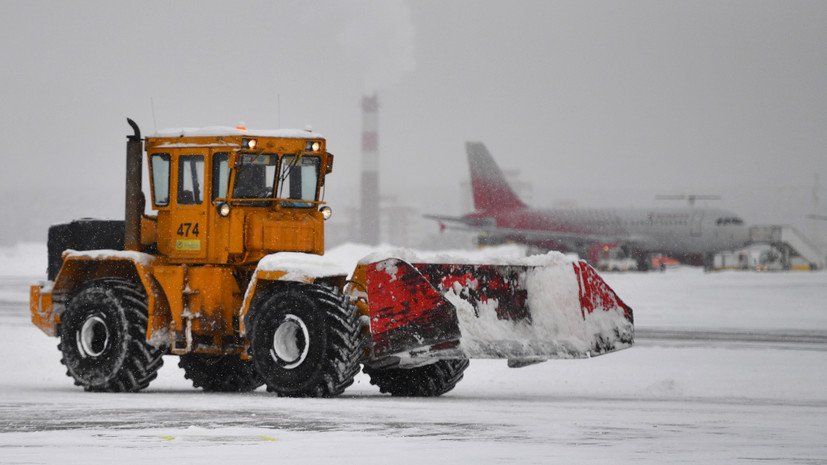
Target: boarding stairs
[(796, 248)]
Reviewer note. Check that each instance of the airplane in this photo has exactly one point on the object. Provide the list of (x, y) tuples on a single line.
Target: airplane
[(690, 234)]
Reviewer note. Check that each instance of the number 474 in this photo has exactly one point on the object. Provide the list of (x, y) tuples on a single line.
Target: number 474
[(188, 229)]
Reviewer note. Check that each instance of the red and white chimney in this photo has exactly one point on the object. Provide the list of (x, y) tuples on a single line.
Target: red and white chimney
[(370, 171)]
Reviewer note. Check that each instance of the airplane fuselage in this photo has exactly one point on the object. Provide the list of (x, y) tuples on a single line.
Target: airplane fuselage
[(676, 231)]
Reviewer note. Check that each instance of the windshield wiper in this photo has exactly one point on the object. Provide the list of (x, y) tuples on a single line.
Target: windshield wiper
[(286, 172)]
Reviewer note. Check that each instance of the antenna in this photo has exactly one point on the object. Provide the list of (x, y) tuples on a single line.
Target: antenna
[(152, 104)]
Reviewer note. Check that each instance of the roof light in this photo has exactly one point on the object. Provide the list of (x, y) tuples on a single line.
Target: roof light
[(241, 126)]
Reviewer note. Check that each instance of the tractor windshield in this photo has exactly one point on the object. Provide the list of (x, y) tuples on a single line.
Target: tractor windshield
[(255, 177), (298, 179)]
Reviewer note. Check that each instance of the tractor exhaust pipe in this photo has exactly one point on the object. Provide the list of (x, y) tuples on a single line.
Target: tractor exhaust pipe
[(134, 197)]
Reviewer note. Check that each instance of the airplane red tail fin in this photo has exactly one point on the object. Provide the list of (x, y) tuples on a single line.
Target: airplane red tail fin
[(490, 188)]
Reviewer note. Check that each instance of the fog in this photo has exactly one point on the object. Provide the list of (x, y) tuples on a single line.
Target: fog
[(596, 103)]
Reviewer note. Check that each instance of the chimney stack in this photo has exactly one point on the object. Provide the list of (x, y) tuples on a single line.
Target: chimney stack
[(370, 171)]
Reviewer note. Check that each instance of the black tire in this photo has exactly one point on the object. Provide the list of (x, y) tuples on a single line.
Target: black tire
[(103, 337), (220, 373), (305, 341), (425, 381)]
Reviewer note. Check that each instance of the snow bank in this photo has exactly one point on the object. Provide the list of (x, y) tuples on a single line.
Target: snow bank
[(501, 255), (24, 259)]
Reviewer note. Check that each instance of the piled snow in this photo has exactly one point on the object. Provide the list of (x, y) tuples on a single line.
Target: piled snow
[(554, 300), (300, 266), (348, 255), (105, 254), (501, 255), (218, 131), (24, 259), (557, 328)]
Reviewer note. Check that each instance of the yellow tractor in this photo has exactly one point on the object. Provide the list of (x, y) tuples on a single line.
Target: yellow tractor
[(229, 274)]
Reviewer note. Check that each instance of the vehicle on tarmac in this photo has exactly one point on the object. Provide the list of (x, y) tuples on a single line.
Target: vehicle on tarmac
[(228, 273)]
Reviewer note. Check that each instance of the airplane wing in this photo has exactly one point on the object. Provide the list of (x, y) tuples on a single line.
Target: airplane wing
[(458, 222)]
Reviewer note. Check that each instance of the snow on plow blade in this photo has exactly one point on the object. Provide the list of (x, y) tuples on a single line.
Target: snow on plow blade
[(522, 312)]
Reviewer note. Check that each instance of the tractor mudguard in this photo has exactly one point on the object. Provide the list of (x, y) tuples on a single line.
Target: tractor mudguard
[(280, 267), (527, 311), (47, 300)]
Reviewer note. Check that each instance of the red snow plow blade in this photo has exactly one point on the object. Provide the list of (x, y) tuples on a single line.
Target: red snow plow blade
[(524, 313)]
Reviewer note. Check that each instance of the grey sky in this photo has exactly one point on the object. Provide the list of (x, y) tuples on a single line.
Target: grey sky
[(598, 102)]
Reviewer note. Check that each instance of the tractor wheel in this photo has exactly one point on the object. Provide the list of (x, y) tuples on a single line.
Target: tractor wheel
[(220, 373), (425, 381), (103, 337), (305, 341)]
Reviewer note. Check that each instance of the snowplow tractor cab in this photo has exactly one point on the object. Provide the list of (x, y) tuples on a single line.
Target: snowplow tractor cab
[(222, 264)]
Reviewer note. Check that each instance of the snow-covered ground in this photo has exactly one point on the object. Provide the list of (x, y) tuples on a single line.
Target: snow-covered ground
[(727, 368)]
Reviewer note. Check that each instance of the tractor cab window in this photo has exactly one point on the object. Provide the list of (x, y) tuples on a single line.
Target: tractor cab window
[(298, 179), (190, 179), (160, 179), (220, 175), (255, 177)]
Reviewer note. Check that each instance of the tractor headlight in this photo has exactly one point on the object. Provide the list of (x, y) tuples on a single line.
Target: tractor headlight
[(223, 208), (312, 146), (248, 144), (327, 212)]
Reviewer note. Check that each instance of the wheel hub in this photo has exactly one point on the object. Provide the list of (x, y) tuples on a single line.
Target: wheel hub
[(291, 342), (93, 337)]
